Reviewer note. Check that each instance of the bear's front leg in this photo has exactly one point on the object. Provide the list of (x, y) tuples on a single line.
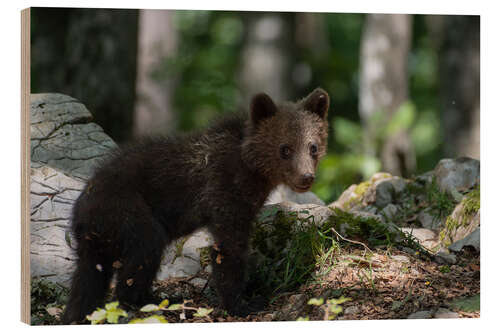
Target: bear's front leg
[(229, 257)]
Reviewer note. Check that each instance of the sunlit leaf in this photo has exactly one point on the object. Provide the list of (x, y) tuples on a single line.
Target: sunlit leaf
[(154, 319), (175, 307), (163, 304), (202, 312), (113, 315), (97, 316), (111, 306), (315, 301), (150, 308)]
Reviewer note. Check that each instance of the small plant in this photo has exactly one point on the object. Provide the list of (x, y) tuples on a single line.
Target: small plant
[(332, 306), (441, 203), (110, 314), (164, 306)]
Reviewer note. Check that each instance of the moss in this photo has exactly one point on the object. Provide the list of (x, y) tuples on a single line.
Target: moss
[(179, 246), (472, 202), (204, 256), (441, 203), (362, 187)]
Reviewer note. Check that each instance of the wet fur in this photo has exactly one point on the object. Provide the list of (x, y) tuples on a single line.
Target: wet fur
[(155, 191)]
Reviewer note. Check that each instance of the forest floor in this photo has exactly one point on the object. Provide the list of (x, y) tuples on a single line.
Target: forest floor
[(383, 284)]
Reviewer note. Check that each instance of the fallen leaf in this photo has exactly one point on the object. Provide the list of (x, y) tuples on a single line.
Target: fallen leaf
[(219, 258), (53, 311), (130, 282)]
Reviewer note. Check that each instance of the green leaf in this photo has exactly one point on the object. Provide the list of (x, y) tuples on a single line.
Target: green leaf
[(163, 304), (113, 315), (339, 300), (150, 308), (202, 312), (97, 316), (306, 318), (111, 306), (175, 307), (467, 304), (154, 319), (315, 301), (396, 305)]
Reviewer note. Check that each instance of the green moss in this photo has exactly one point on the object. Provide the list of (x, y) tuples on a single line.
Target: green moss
[(362, 187), (179, 246), (441, 203), (204, 256), (472, 202)]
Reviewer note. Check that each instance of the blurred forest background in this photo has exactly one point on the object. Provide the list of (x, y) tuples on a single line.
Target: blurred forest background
[(404, 89)]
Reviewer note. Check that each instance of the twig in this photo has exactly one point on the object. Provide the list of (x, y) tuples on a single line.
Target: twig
[(351, 241)]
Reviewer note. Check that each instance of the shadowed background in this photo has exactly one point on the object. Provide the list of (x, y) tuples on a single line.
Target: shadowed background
[(404, 88)]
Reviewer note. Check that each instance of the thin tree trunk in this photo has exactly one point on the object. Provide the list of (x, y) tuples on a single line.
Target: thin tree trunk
[(157, 39), (459, 70), (265, 64), (384, 87)]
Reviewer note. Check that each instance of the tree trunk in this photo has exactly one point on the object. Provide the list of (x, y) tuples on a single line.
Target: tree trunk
[(385, 46), (265, 60), (460, 85), (157, 40), (89, 54)]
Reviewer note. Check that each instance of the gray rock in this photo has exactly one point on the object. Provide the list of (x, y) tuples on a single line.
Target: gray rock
[(426, 237), (384, 193), (443, 257), (461, 225), (401, 258), (194, 243), (429, 221), (354, 309), (443, 313), (284, 193), (198, 282), (181, 267), (457, 175), (52, 195), (420, 315), (425, 178), (399, 185), (63, 137), (390, 211), (473, 240), (315, 213)]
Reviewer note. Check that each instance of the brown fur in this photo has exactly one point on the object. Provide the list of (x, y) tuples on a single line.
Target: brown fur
[(153, 192)]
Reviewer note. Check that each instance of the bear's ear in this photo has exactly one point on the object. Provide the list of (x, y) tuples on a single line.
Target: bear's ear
[(261, 107), (317, 102)]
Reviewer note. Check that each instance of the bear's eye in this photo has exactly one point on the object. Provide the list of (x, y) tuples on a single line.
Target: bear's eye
[(313, 149), (285, 152)]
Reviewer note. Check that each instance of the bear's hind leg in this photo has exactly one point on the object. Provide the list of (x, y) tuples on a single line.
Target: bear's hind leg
[(140, 265), (90, 283)]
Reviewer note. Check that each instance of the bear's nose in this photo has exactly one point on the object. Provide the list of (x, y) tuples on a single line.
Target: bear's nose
[(307, 179)]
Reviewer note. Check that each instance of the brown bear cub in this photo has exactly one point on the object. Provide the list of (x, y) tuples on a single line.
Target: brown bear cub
[(151, 193)]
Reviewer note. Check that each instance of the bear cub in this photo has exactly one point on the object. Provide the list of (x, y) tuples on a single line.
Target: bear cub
[(150, 193)]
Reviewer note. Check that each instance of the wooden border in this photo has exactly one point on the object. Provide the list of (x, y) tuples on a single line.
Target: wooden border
[(25, 165)]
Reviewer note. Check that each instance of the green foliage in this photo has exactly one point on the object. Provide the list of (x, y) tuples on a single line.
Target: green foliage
[(204, 66), (332, 307), (110, 314), (441, 203), (467, 304), (154, 319), (472, 202), (45, 294)]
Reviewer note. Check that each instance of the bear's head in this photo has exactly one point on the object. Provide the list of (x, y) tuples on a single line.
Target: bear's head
[(285, 141)]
